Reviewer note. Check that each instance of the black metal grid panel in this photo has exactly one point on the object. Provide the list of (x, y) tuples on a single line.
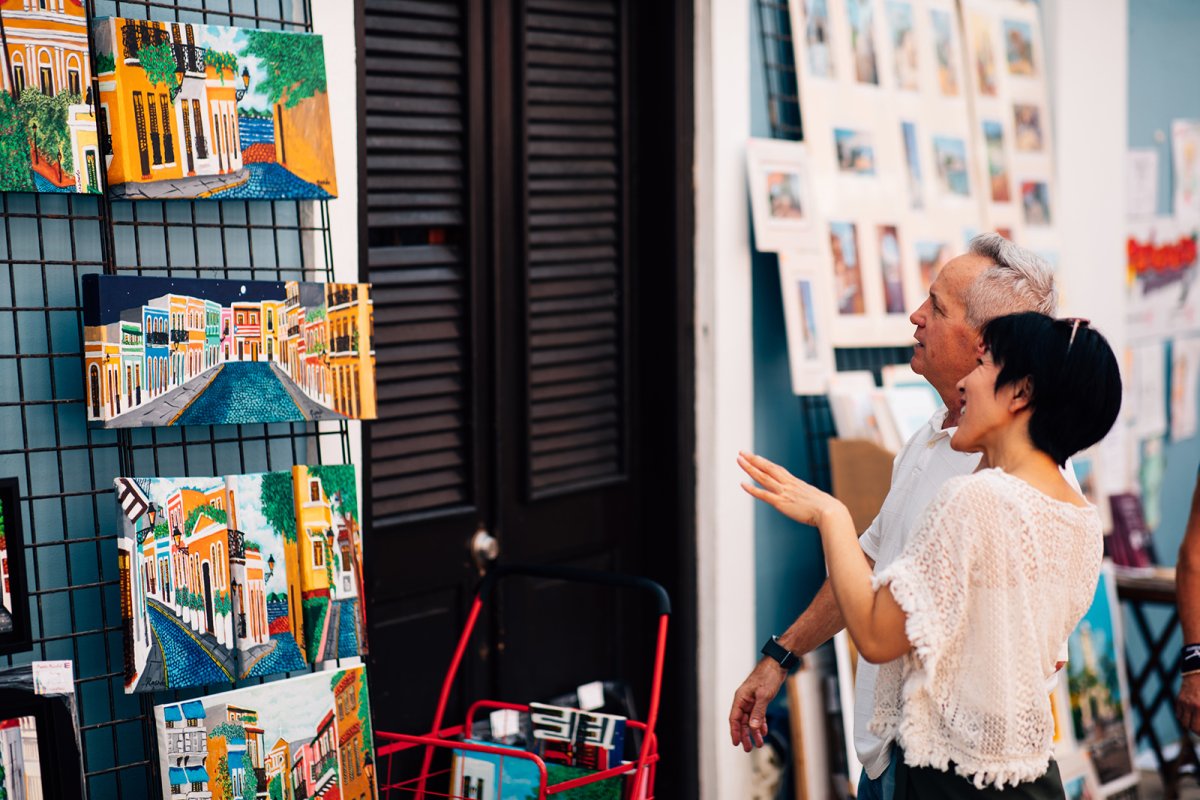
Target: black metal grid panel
[(48, 243), (783, 104)]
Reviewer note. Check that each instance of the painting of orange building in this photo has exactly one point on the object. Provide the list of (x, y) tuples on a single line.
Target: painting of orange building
[(46, 116), (202, 111)]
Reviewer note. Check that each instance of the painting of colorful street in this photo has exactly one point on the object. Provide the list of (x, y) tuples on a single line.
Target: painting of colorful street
[(298, 739), (266, 574), (48, 137), (163, 351), (201, 111), (176, 588), (331, 574)]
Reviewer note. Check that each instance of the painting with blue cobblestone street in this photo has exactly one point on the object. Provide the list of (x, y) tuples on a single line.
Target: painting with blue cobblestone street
[(208, 112), (185, 351), (266, 573), (302, 738), (176, 583)]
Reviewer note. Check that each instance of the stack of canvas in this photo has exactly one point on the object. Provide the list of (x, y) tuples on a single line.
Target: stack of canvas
[(247, 575)]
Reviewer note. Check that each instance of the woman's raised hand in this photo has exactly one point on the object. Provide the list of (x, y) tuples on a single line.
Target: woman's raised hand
[(785, 492)]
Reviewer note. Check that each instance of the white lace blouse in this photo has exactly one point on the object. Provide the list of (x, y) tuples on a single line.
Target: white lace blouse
[(993, 583)]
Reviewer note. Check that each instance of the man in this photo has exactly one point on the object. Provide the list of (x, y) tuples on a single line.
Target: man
[(995, 277), (1187, 595)]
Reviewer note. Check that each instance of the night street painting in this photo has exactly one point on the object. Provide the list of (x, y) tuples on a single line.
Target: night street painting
[(167, 351)]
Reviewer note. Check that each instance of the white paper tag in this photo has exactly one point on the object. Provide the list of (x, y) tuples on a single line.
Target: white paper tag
[(591, 695), (53, 677), (505, 722)]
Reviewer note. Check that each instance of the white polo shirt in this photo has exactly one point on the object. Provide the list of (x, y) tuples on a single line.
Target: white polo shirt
[(924, 463)]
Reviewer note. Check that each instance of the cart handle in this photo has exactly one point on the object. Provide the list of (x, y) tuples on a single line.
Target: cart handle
[(576, 575)]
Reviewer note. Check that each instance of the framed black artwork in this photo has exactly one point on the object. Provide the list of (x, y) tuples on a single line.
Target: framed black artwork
[(39, 741), (14, 599)]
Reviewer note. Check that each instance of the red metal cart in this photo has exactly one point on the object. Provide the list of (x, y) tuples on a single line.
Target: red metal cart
[(637, 776)]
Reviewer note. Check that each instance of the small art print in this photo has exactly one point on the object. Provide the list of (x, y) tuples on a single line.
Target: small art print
[(330, 556), (173, 561), (201, 111), (304, 737), (163, 351), (48, 139)]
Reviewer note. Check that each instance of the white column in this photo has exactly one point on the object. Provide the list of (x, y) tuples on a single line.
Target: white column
[(724, 386), (1087, 46)]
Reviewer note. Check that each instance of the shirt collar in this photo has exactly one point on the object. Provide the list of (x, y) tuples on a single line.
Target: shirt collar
[(935, 424)]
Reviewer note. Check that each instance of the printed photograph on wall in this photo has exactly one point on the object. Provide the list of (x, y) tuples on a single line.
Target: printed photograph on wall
[(904, 44), (944, 50), (950, 157), (265, 565), (855, 151), (912, 157), (806, 311), (1035, 199), (979, 29), (202, 111), (847, 271), (48, 139), (1018, 46), (862, 40), (165, 351), (780, 195), (176, 588), (1027, 122), (309, 736), (40, 755), (816, 38), (1099, 698), (330, 555), (993, 135), (890, 271), (15, 634), (931, 256)]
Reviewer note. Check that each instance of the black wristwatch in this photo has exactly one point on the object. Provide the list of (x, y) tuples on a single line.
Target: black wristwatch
[(786, 658)]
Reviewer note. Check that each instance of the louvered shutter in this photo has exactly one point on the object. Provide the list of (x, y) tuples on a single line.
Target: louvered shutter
[(575, 244), (416, 201)]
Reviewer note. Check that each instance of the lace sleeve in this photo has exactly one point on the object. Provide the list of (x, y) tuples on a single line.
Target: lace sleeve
[(931, 578)]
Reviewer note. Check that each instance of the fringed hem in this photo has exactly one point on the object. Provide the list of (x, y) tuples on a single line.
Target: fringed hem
[(981, 772), (921, 620)]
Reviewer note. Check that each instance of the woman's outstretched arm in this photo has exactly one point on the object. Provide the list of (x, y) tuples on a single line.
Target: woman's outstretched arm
[(874, 619)]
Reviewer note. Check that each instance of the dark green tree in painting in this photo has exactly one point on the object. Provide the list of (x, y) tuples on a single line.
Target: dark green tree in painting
[(250, 779), (275, 788), (14, 148), (212, 512), (295, 65), (105, 62), (278, 504), (46, 120), (3, 783), (158, 62)]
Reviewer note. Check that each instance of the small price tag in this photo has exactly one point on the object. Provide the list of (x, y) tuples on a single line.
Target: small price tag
[(591, 695), (53, 677), (505, 723)]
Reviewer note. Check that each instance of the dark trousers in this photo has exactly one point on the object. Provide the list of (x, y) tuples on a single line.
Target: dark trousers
[(927, 783)]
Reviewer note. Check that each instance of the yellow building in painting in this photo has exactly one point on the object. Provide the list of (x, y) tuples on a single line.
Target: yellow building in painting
[(351, 357), (102, 362), (163, 132), (314, 527), (352, 749)]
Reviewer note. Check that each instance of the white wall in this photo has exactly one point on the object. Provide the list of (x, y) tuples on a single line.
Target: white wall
[(724, 386), (335, 22), (1087, 46)]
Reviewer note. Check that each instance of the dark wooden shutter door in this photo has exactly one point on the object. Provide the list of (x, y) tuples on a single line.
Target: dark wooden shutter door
[(575, 243), (423, 453)]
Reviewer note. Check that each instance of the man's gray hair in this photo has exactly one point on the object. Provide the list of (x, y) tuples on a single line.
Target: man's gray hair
[(1018, 280)]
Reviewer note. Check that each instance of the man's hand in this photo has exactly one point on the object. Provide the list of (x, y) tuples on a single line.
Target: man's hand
[(1187, 705), (748, 717)]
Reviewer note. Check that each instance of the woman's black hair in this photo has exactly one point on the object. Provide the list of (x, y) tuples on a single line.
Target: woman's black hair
[(1074, 377)]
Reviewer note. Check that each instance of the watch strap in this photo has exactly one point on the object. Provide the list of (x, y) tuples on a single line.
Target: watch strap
[(786, 658)]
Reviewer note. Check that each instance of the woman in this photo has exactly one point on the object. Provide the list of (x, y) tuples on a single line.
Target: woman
[(972, 616)]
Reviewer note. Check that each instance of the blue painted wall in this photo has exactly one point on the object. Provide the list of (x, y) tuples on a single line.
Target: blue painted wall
[(1163, 63), (789, 565)]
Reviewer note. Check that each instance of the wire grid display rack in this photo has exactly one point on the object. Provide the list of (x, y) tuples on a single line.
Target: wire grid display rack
[(783, 107), (47, 244)]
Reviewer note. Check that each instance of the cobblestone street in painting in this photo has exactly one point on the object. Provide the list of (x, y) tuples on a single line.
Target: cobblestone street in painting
[(243, 392)]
